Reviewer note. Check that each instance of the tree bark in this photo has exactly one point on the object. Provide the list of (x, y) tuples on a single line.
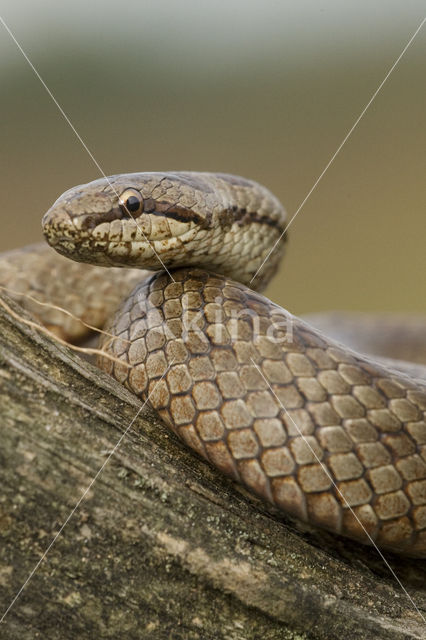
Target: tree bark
[(161, 545)]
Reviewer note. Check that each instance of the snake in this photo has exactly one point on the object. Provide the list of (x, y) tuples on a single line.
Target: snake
[(329, 436)]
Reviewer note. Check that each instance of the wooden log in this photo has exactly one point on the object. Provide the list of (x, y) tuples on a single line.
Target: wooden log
[(160, 545)]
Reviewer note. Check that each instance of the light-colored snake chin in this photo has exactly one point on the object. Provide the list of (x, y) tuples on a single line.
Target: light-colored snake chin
[(143, 243)]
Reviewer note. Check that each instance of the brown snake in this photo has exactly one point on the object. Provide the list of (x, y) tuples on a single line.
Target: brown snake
[(325, 434)]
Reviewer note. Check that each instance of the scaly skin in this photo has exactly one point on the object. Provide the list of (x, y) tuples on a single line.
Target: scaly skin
[(81, 289), (226, 223), (327, 435)]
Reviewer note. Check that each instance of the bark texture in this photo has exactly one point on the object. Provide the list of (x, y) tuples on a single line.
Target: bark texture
[(161, 545)]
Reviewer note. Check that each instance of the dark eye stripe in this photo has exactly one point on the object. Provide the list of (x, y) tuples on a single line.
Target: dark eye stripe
[(174, 211)]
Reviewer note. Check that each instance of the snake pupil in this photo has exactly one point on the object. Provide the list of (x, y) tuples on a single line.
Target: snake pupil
[(132, 204)]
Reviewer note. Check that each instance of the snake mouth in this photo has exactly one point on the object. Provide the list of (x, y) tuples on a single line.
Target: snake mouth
[(119, 243), (103, 235)]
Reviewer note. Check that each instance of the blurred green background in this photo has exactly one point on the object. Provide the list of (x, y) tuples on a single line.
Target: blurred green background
[(264, 89)]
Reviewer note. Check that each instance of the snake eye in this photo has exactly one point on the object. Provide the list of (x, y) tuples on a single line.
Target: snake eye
[(131, 203)]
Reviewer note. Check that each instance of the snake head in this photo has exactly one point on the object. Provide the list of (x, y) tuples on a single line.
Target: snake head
[(139, 220), (154, 220)]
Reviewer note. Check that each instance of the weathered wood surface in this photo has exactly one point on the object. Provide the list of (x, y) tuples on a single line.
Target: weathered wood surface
[(161, 546)]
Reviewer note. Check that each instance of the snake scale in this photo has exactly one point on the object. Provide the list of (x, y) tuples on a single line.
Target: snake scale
[(327, 435)]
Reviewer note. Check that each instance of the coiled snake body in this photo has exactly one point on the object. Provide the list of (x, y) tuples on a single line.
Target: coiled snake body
[(327, 435)]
